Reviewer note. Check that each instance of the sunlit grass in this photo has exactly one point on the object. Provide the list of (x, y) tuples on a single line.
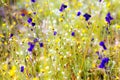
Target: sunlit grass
[(63, 56)]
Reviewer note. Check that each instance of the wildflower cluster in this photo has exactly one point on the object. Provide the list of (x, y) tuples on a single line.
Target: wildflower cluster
[(59, 40)]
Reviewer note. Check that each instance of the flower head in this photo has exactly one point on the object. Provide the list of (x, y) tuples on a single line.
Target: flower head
[(78, 13), (11, 35), (33, 24), (108, 18), (100, 0), (35, 40), (22, 14), (55, 33), (87, 16), (41, 44), (34, 13), (92, 39), (31, 46), (33, 1), (29, 20), (103, 45), (62, 8), (103, 62), (73, 34), (22, 69)]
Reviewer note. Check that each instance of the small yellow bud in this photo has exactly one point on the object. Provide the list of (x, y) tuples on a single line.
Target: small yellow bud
[(108, 4), (35, 79), (40, 10), (26, 5), (3, 24), (118, 26), (1, 35), (61, 19)]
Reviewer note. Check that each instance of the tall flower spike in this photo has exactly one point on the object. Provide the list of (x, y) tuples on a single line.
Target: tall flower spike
[(108, 18), (87, 16), (103, 45), (62, 8), (103, 62)]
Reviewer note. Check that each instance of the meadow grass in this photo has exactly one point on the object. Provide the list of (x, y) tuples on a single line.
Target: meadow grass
[(72, 53)]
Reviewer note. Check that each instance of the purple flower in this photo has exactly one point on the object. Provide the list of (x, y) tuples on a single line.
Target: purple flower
[(87, 16), (34, 13), (41, 44), (33, 24), (31, 46), (73, 34), (33, 1), (35, 40), (108, 18), (29, 20), (29, 43), (92, 39), (22, 69), (11, 35), (22, 14), (78, 13), (100, 0), (55, 33), (103, 62), (103, 45), (107, 29), (62, 8)]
